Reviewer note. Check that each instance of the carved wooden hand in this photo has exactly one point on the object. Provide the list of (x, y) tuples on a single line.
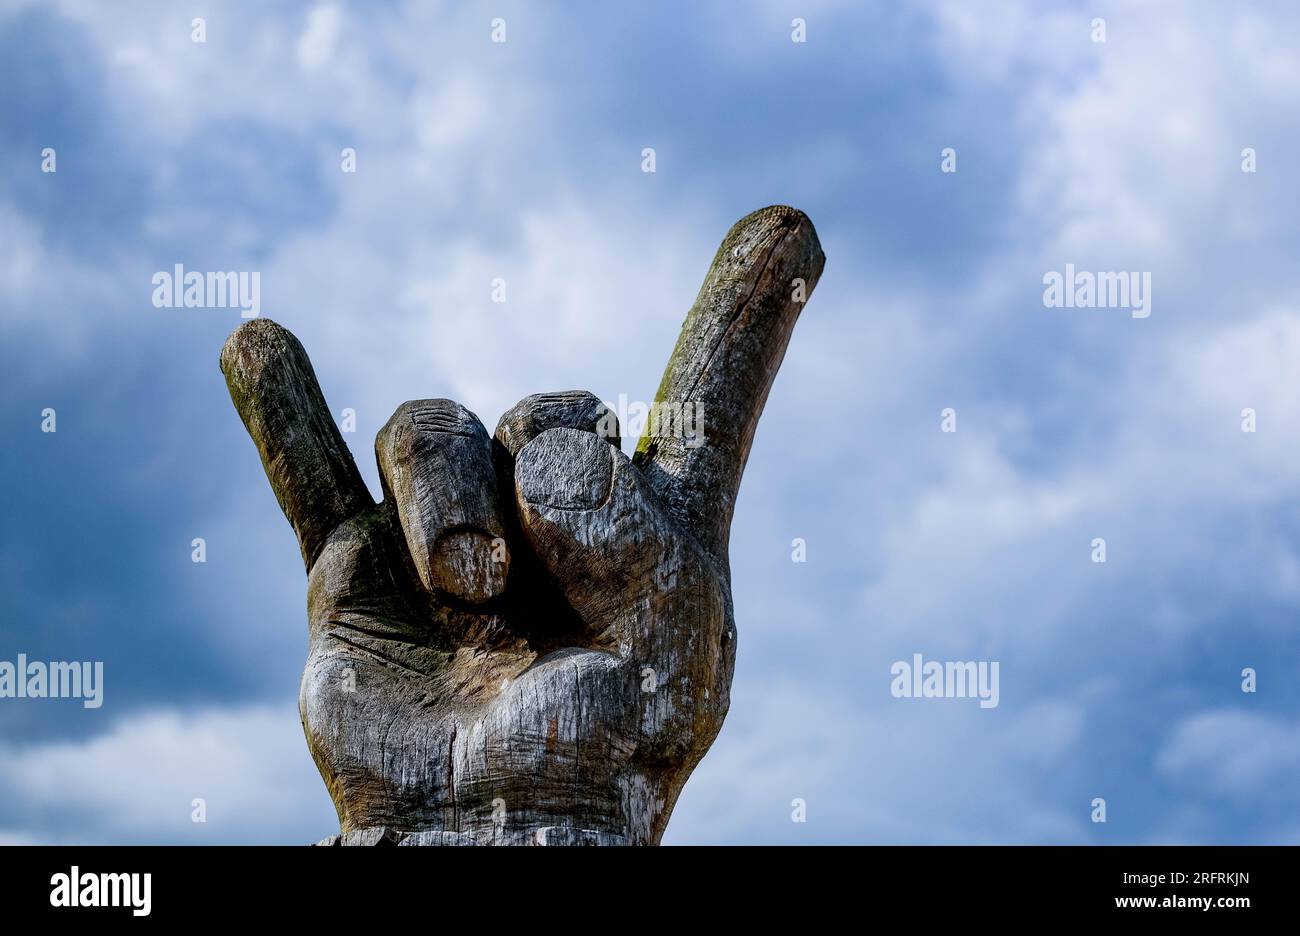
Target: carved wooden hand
[(530, 640)]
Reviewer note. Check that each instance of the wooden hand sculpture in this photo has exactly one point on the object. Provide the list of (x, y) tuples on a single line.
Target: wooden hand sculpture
[(531, 639)]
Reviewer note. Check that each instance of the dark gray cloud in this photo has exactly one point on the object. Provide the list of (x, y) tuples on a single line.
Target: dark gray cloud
[(522, 161)]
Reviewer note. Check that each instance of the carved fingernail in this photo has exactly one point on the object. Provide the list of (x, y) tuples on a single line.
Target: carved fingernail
[(568, 409), (435, 459), (469, 564), (565, 469)]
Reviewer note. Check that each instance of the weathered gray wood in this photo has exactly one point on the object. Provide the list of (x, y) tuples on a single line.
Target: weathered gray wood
[(274, 388), (563, 697), (726, 358), (435, 461), (574, 409)]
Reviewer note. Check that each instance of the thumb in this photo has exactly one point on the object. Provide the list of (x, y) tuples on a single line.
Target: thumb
[(644, 589), (622, 562)]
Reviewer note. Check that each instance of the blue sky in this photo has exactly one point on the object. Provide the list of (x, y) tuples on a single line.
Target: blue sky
[(522, 160)]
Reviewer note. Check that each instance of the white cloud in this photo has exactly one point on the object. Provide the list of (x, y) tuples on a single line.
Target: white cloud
[(469, 171), (866, 776), (1233, 753), (136, 782), (319, 37)]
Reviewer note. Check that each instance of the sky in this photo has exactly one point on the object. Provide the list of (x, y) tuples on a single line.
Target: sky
[(523, 160)]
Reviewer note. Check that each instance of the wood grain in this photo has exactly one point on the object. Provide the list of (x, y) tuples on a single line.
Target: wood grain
[(531, 640)]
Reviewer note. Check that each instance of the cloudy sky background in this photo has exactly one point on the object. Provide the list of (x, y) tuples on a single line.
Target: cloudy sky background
[(522, 160)]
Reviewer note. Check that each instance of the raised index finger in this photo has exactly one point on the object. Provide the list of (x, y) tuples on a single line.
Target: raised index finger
[(726, 358)]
